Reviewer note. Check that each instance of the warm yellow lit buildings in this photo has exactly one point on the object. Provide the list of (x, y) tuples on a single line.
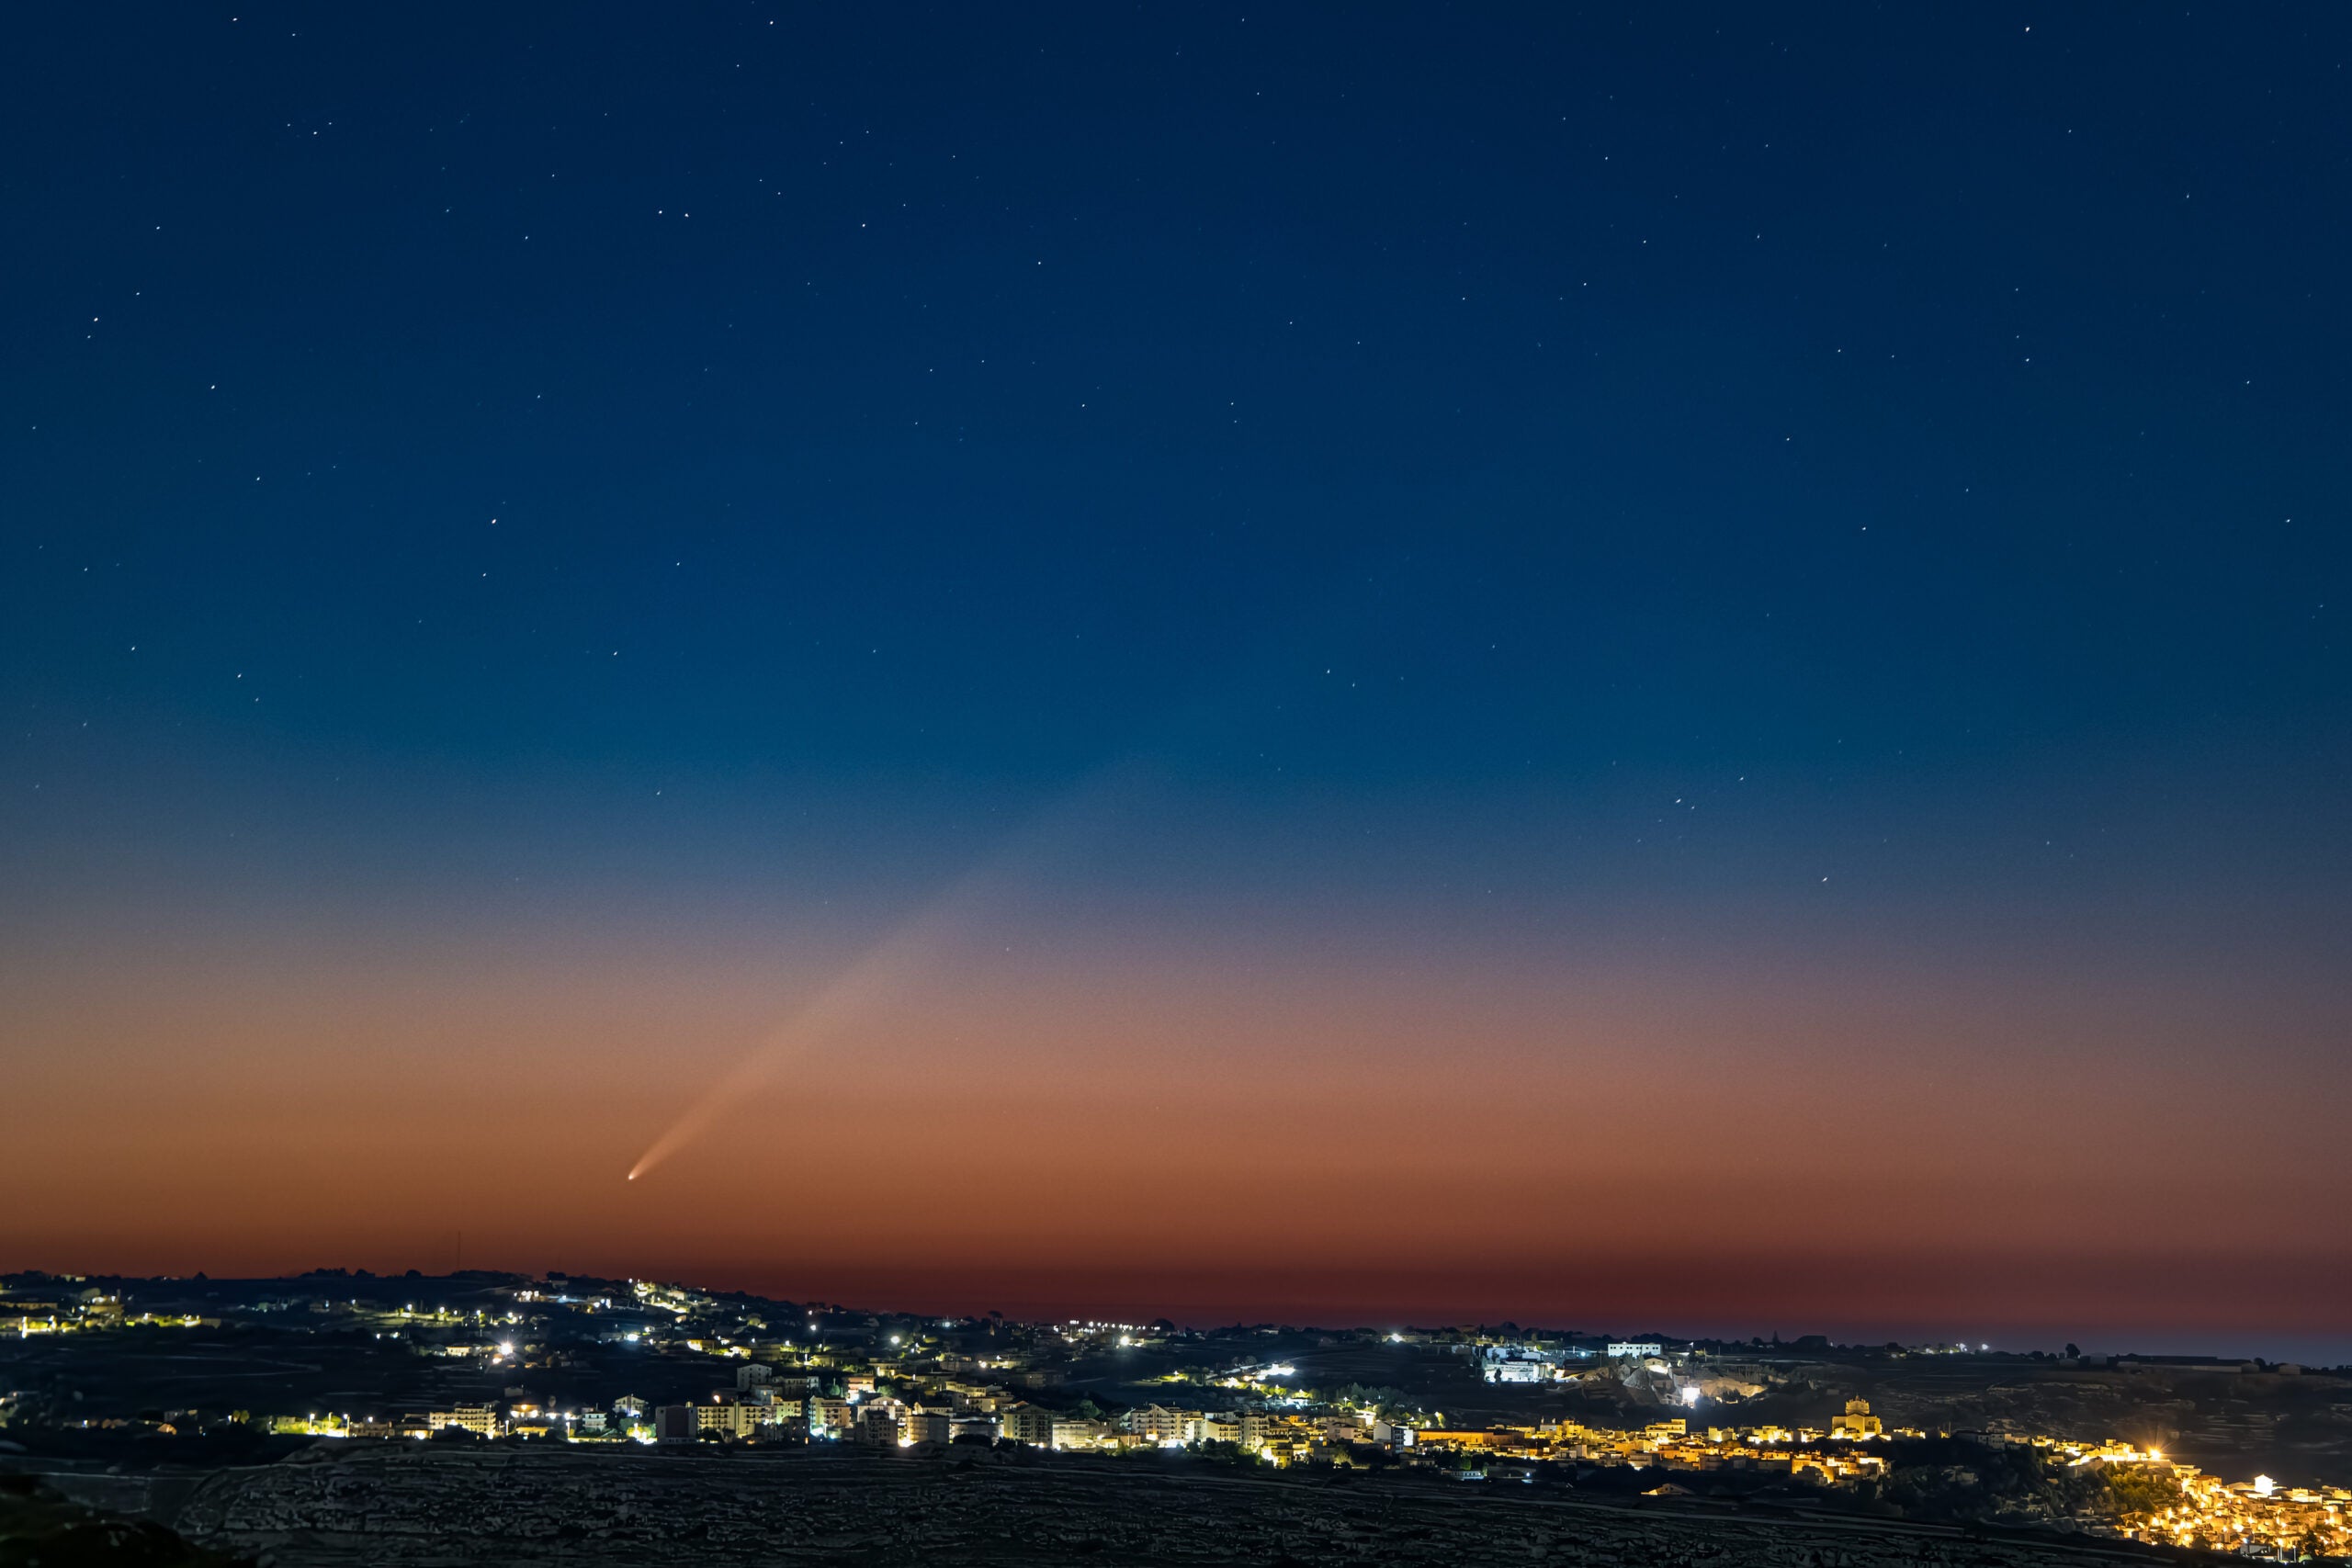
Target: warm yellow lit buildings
[(1858, 1421)]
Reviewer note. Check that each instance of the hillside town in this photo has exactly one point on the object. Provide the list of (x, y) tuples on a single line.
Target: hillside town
[(630, 1366)]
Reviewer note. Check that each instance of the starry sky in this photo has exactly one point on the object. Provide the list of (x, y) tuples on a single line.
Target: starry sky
[(1666, 665)]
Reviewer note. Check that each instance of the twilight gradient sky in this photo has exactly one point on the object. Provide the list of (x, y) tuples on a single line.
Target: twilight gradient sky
[(1650, 666)]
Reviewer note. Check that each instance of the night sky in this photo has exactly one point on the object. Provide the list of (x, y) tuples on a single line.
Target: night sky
[(1666, 668)]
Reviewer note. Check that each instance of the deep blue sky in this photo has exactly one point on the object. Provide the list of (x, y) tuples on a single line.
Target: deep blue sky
[(910, 389), (1938, 412), (1494, 472)]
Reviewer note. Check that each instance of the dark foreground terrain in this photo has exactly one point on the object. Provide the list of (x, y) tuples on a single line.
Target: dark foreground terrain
[(397, 1504)]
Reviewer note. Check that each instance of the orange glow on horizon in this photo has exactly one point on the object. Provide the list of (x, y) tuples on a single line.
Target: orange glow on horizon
[(1406, 1138)]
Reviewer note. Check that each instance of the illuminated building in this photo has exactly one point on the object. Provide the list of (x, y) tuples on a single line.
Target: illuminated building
[(481, 1420), (732, 1418), (1858, 1421), (1027, 1424), (878, 1424), (1076, 1432), (1155, 1422), (1212, 1427)]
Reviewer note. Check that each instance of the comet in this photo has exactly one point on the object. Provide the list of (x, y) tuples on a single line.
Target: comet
[(894, 963)]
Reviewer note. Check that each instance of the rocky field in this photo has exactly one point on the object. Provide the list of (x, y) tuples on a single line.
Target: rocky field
[(408, 1505)]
